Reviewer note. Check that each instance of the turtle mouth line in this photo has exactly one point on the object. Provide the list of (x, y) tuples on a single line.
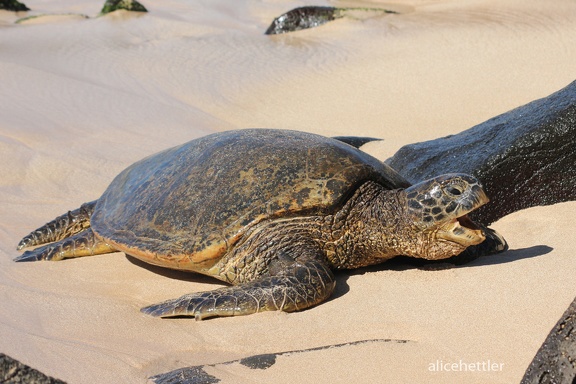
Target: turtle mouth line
[(465, 221), (463, 231)]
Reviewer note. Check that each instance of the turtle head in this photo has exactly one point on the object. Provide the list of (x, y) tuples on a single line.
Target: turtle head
[(438, 208)]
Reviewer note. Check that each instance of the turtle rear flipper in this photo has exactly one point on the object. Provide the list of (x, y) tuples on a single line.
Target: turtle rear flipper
[(356, 141), (84, 243), (300, 286), (61, 227)]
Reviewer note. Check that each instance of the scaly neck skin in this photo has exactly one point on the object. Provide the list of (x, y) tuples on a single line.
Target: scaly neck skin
[(365, 231), (370, 228), (374, 228)]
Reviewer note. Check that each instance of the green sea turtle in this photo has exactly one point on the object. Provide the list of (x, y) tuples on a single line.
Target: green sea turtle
[(271, 212)]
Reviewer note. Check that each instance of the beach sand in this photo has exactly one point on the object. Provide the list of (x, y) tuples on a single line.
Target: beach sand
[(81, 99)]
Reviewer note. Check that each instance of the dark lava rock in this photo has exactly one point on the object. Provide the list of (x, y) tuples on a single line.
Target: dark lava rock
[(13, 371), (13, 5), (188, 375), (302, 18), (555, 361), (314, 16), (524, 158), (128, 5)]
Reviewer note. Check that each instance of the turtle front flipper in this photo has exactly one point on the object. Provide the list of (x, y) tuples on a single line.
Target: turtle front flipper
[(61, 227), (81, 244), (300, 286)]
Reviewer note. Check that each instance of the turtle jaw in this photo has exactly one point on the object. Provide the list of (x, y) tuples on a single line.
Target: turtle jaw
[(461, 230)]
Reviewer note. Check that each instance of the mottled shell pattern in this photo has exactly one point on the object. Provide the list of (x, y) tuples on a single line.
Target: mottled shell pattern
[(187, 206)]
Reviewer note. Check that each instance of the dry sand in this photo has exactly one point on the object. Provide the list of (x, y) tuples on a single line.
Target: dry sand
[(81, 99)]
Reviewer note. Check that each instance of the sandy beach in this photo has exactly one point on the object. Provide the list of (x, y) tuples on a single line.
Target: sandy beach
[(83, 98)]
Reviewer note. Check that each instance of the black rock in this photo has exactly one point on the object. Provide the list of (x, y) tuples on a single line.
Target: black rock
[(13, 5), (128, 5), (524, 158), (302, 18), (555, 361), (13, 371), (314, 16)]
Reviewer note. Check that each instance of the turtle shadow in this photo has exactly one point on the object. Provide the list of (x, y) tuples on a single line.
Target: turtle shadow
[(188, 276), (400, 263), (342, 286), (403, 263), (510, 255)]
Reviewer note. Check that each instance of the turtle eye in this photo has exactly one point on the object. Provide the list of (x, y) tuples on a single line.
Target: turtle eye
[(454, 190)]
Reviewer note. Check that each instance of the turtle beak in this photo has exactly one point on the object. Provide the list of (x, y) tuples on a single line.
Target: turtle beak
[(474, 200)]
